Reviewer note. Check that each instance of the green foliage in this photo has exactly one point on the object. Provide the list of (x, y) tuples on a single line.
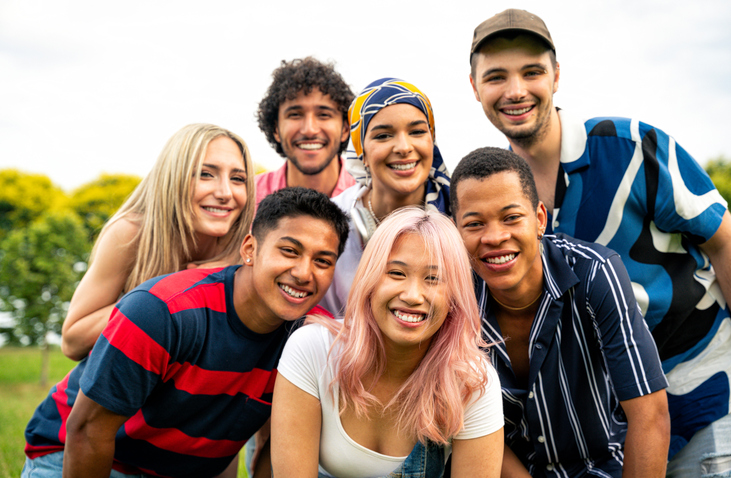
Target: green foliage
[(719, 169), (24, 197), (97, 201), (40, 267)]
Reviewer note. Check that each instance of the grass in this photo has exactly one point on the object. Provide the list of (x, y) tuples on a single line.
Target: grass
[(20, 394)]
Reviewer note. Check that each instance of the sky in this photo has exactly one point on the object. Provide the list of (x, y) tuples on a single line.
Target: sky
[(90, 87)]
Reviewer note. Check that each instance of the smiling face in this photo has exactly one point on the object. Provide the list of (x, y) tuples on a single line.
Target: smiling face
[(219, 195), (515, 82), (399, 150), (500, 229), (411, 303), (291, 269), (310, 129)]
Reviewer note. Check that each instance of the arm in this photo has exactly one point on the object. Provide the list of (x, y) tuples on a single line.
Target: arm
[(512, 466), (90, 432), (648, 435), (99, 289), (296, 424), (231, 470), (718, 249), (478, 457)]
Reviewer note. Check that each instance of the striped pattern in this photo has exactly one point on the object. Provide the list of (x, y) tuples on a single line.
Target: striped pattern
[(176, 359), (631, 187), (376, 96), (589, 349)]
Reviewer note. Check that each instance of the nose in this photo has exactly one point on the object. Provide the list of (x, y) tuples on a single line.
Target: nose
[(412, 292), (223, 190), (309, 125), (403, 144), (302, 271), (515, 89), (494, 236)]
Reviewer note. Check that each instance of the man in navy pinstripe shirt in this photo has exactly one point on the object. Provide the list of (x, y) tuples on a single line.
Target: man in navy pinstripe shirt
[(583, 388)]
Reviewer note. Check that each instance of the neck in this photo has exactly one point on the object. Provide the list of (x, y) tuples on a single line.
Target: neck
[(252, 312), (324, 181), (384, 204), (206, 247), (544, 152), (401, 362)]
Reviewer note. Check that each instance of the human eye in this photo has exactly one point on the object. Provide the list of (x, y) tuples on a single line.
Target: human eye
[(323, 262), (494, 78), (395, 273), (419, 132), (433, 279), (381, 136), (288, 251), (204, 174), (239, 179), (472, 224)]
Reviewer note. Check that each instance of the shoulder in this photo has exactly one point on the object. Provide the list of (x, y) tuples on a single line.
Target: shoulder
[(571, 247), (123, 231), (346, 200)]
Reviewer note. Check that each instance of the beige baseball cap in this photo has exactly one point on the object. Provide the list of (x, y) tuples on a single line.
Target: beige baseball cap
[(511, 19)]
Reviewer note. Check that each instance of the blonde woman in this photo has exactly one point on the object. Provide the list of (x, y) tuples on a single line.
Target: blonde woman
[(194, 207), (401, 380)]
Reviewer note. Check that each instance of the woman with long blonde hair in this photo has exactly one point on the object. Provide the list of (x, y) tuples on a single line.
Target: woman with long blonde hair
[(402, 378), (194, 207)]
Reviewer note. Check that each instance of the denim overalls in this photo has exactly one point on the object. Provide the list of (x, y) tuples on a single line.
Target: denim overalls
[(422, 462)]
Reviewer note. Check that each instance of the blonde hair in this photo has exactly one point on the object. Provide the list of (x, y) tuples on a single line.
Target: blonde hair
[(162, 206), (432, 401)]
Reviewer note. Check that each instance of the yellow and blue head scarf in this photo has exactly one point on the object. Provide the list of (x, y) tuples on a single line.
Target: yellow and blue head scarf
[(376, 96)]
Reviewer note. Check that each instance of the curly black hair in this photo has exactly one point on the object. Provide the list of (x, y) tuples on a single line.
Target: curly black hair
[(301, 74)]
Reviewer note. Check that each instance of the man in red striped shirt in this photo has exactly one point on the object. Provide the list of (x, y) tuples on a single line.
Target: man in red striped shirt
[(183, 374)]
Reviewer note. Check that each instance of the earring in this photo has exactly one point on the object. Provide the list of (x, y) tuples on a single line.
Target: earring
[(368, 175), (248, 261)]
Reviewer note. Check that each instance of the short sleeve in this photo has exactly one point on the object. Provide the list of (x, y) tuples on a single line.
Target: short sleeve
[(484, 414), (305, 357), (131, 356)]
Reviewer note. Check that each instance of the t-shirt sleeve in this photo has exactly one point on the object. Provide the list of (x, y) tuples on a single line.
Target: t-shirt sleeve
[(484, 414), (132, 354), (625, 340), (305, 357), (686, 200)]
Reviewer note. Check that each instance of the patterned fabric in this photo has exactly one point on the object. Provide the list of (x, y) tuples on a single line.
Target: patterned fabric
[(376, 96), (631, 187), (589, 349), (175, 358)]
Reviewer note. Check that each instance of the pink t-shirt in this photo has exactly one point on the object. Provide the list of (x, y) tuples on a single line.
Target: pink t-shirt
[(267, 183)]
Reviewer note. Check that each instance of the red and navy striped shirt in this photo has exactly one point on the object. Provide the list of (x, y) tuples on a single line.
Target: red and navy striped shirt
[(175, 358)]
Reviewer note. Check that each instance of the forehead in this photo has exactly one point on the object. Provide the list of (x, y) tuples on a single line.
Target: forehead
[(490, 195), (314, 99), (398, 113), (410, 249), (500, 49), (309, 232)]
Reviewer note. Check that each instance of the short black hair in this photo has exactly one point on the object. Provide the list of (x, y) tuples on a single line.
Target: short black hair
[(484, 162), (296, 202), (511, 35), (301, 75)]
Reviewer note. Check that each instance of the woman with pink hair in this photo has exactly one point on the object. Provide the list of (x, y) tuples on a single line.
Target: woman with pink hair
[(401, 382)]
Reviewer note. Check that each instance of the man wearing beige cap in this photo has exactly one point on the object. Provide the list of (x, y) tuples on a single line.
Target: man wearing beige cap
[(631, 187)]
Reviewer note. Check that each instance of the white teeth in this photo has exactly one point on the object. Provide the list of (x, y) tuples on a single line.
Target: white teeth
[(413, 318), (403, 167), (292, 292), (310, 146), (517, 112), (215, 209), (500, 259)]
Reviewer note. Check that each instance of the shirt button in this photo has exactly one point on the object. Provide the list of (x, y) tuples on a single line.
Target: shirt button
[(530, 395), (539, 346), (555, 224), (549, 467), (541, 439)]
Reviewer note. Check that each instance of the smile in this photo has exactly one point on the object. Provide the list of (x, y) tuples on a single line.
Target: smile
[(310, 146), (403, 166), (517, 112), (293, 292), (500, 259), (215, 210), (411, 318)]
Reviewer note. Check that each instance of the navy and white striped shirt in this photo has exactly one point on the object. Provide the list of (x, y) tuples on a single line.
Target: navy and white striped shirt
[(589, 349)]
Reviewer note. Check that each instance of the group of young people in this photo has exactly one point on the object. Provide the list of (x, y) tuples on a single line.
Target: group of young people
[(473, 324)]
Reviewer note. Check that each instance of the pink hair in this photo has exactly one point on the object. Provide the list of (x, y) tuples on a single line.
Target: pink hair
[(432, 401)]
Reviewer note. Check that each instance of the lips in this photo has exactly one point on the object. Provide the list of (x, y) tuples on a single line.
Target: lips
[(516, 111), (409, 317), (403, 166), (216, 210), (294, 293), (500, 259)]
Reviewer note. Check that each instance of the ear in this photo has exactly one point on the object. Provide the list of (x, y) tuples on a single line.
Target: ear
[(248, 249), (345, 133), (276, 132), (474, 89), (542, 216), (555, 79)]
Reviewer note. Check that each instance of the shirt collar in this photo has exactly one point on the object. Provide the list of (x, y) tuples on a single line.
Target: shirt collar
[(573, 142)]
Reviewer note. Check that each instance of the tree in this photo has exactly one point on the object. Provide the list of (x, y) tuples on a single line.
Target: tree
[(24, 197), (40, 267), (719, 169), (95, 202)]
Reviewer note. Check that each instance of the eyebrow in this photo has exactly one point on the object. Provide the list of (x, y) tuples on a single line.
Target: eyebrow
[(302, 246), (524, 67), (213, 166), (318, 107), (389, 126), (402, 263)]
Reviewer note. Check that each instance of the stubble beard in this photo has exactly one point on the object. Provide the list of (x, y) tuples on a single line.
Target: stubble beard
[(525, 138), (313, 170)]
